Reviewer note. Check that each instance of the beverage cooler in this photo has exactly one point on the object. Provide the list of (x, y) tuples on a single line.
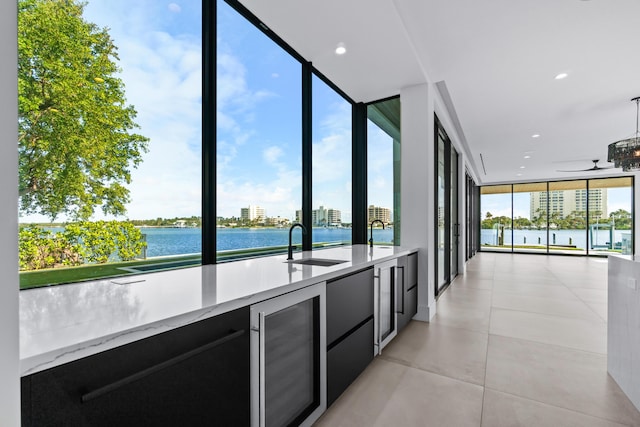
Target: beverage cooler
[(288, 359)]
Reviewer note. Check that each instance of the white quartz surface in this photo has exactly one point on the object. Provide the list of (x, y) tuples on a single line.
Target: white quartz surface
[(623, 325), (63, 323)]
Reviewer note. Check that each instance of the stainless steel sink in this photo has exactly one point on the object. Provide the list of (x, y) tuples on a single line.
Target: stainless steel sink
[(322, 262)]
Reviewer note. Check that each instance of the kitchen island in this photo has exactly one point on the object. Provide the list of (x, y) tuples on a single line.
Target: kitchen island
[(623, 325)]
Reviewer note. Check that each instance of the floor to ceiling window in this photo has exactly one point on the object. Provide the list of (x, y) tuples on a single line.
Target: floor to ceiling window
[(447, 222), (495, 217), (472, 218), (383, 170), (611, 215), (331, 159), (530, 229), (567, 210), (259, 147), (575, 217), (110, 105), (191, 145)]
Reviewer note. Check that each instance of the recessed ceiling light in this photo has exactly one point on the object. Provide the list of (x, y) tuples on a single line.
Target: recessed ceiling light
[(521, 167), (341, 49), (518, 174), (527, 156), (535, 135), (562, 76)]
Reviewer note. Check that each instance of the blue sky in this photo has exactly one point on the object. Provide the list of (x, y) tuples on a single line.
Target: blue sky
[(259, 116)]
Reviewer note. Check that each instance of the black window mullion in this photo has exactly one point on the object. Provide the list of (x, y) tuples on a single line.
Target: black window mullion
[(307, 162), (209, 88), (359, 174)]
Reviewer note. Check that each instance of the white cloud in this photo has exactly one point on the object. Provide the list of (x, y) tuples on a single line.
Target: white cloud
[(272, 155), (173, 7)]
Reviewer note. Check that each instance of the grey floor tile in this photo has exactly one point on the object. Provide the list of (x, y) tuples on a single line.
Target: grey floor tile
[(560, 307), (424, 399), (562, 377), (505, 410), (599, 309), (464, 282), (594, 296), (547, 290), (460, 316), (364, 401), (580, 334), (452, 352)]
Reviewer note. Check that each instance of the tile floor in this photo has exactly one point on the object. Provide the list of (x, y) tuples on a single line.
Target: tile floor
[(519, 340)]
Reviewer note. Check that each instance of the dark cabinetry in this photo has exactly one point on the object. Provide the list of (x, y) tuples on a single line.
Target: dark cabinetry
[(407, 289), (195, 375), (350, 307)]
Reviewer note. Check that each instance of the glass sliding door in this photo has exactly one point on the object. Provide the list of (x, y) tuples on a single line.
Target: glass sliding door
[(580, 217), (530, 217), (447, 225), (454, 228), (471, 219), (567, 213), (441, 243), (495, 218), (610, 216)]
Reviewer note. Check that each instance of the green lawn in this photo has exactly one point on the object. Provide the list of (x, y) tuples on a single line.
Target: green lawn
[(56, 276)]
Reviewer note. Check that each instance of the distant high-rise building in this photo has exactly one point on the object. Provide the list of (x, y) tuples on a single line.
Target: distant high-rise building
[(324, 217), (252, 213), (564, 202), (377, 212), (299, 215), (334, 217)]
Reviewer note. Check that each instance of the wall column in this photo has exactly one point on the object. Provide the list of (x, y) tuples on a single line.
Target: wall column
[(418, 188)]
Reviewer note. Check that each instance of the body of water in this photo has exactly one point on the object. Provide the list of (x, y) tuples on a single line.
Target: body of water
[(182, 241), (577, 238), (175, 241)]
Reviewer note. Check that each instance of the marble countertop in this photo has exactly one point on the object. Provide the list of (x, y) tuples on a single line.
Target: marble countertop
[(59, 324)]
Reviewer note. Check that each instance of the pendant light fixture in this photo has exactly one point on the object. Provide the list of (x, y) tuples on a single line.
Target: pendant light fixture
[(625, 153)]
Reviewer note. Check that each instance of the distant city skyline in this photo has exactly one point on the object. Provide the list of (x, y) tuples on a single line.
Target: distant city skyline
[(501, 204)]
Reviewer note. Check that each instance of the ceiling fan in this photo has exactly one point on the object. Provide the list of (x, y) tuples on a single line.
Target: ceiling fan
[(592, 169)]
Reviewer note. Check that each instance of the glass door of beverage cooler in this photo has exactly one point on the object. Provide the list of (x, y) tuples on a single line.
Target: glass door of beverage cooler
[(288, 364)]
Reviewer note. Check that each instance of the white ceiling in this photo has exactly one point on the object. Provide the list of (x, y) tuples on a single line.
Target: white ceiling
[(498, 59)]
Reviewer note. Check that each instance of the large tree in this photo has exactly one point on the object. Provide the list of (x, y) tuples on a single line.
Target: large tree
[(76, 139)]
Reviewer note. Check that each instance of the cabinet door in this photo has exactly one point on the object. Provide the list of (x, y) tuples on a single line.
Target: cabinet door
[(347, 359), (349, 303), (412, 270), (402, 284), (407, 289), (412, 288), (194, 375)]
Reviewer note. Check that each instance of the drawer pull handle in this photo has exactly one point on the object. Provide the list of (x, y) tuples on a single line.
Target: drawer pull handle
[(160, 366), (403, 291)]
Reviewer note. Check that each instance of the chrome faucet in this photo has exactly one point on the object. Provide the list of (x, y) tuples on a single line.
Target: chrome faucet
[(290, 250), (371, 228)]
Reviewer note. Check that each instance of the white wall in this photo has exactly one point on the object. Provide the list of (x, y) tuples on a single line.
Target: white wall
[(9, 348), (417, 181)]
